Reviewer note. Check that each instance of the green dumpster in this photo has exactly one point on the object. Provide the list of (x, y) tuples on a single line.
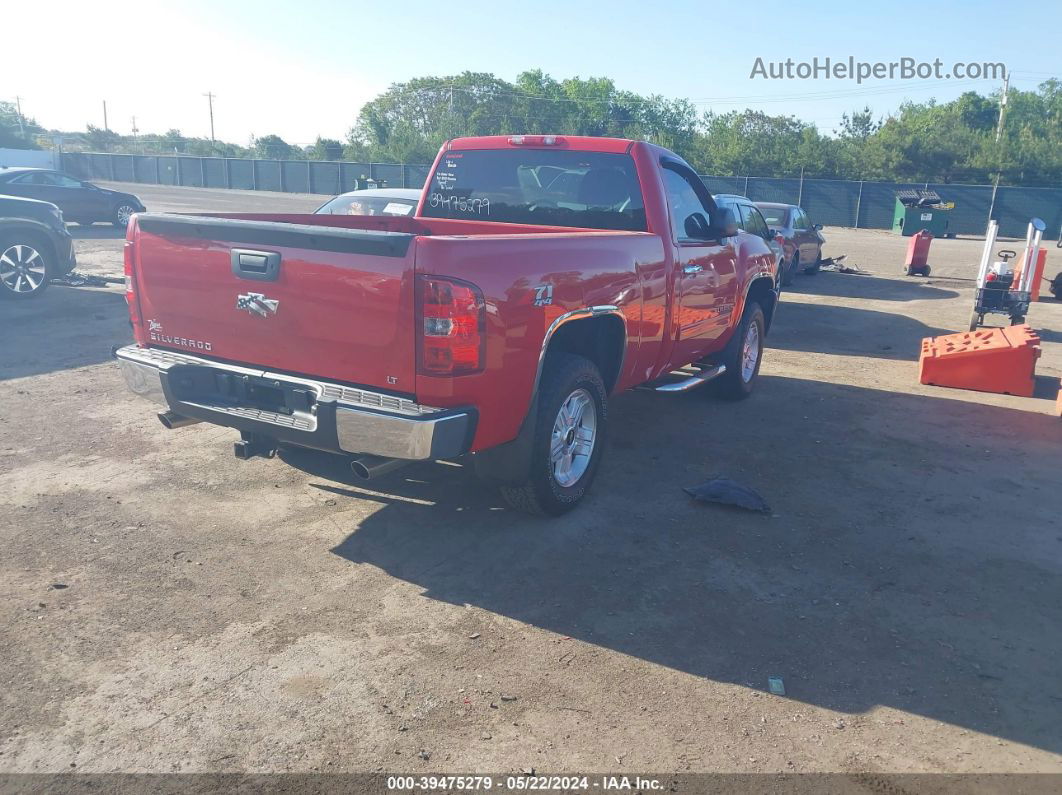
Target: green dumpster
[(921, 209)]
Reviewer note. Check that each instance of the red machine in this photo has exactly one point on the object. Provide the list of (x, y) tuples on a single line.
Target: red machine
[(917, 262)]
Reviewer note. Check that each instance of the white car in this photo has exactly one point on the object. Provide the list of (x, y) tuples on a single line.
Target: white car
[(372, 201)]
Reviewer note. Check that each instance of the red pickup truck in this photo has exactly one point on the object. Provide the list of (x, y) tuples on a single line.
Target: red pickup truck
[(538, 276)]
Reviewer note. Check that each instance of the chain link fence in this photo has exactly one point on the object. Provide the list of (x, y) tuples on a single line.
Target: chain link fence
[(833, 202), (291, 176)]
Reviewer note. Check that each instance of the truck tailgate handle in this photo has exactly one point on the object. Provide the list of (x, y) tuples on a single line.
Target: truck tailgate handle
[(263, 266)]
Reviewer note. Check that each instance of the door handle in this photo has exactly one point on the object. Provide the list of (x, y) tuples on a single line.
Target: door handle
[(691, 269)]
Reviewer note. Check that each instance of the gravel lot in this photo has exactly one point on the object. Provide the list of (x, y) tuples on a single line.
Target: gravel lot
[(169, 608)]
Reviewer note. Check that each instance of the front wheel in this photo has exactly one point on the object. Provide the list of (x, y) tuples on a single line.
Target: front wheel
[(569, 434), (742, 355), (122, 214), (23, 267), (976, 319)]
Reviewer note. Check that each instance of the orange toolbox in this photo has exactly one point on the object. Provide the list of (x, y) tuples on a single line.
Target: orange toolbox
[(986, 360)]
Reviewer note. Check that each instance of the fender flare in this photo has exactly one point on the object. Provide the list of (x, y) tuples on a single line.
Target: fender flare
[(510, 462)]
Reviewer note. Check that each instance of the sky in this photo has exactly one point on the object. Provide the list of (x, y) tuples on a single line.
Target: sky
[(303, 69)]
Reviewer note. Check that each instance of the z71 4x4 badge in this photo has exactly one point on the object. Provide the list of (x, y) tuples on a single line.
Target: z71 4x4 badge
[(543, 295)]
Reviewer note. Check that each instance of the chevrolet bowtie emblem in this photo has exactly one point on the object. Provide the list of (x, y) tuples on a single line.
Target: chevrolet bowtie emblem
[(257, 304)]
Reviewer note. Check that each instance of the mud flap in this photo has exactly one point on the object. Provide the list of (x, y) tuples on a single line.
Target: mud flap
[(509, 464)]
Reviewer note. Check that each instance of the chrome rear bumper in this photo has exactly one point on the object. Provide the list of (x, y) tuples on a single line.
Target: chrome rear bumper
[(341, 418)]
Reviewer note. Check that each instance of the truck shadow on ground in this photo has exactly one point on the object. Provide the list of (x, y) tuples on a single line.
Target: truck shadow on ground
[(853, 285), (63, 328), (884, 578), (848, 331)]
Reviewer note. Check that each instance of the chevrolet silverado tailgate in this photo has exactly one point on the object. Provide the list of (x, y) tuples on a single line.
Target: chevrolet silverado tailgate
[(328, 302)]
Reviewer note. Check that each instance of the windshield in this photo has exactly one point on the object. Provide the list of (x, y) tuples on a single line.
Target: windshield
[(592, 190), (364, 205), (774, 216)]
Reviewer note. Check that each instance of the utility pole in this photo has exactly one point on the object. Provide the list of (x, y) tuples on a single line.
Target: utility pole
[(18, 106), (210, 102), (135, 131), (105, 116), (999, 138), (1002, 106)]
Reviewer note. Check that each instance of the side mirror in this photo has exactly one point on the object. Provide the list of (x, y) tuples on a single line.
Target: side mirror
[(818, 227), (725, 224), (696, 227)]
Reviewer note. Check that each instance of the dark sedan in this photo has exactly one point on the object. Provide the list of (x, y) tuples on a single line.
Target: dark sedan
[(80, 201), (34, 246), (801, 239)]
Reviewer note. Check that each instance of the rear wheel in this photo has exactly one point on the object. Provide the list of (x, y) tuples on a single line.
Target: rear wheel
[(976, 319), (570, 429), (814, 266), (742, 356), (23, 267), (788, 272)]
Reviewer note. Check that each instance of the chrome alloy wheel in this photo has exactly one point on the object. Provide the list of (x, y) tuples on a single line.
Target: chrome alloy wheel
[(574, 434), (124, 213), (22, 268), (750, 352)]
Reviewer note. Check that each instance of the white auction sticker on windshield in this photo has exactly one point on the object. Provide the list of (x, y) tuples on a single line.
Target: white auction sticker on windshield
[(397, 208)]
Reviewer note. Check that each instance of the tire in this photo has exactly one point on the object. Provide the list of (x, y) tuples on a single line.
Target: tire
[(739, 379), (788, 272), (573, 383), (25, 266), (814, 267), (1017, 320), (1056, 287), (976, 320), (121, 213)]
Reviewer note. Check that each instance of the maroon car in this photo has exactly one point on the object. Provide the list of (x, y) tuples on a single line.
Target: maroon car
[(801, 240)]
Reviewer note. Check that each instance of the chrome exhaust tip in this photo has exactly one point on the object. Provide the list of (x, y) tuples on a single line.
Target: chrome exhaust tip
[(174, 421), (370, 467)]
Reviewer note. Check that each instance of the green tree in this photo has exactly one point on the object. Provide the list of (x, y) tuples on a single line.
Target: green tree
[(16, 132), (326, 149), (273, 147), (100, 140)]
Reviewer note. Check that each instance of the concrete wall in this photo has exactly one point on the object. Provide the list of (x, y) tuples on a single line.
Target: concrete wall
[(37, 158)]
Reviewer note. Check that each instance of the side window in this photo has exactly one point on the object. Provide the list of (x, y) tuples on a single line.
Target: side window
[(752, 222), (683, 201), (800, 221), (26, 179), (64, 181)]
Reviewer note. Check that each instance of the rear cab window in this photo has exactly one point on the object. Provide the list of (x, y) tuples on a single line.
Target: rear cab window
[(549, 187)]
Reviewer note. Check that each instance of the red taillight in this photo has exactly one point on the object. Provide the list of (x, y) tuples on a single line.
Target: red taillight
[(128, 261), (453, 320)]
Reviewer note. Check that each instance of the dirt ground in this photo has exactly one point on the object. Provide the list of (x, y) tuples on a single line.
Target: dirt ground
[(169, 608)]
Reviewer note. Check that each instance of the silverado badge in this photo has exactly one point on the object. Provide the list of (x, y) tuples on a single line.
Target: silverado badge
[(257, 304)]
